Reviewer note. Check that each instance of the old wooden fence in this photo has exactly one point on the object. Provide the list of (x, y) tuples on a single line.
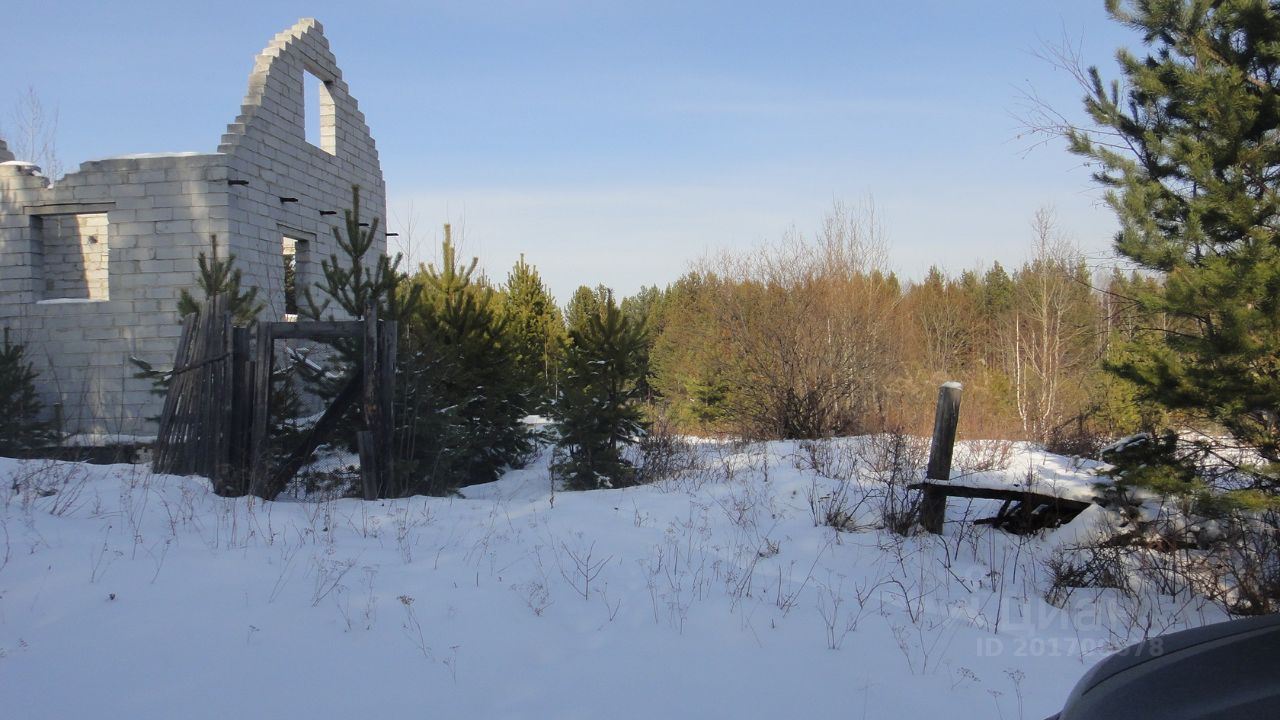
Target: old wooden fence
[(217, 408)]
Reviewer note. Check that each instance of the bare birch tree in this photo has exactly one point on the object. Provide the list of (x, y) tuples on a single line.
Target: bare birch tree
[(1051, 332), (34, 135)]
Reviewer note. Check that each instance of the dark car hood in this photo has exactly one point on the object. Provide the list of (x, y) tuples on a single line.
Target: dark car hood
[(1226, 670)]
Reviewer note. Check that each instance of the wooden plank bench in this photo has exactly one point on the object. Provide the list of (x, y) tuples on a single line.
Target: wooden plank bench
[(1022, 511)]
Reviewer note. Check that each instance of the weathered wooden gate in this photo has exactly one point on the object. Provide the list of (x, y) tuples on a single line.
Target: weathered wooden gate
[(217, 409)]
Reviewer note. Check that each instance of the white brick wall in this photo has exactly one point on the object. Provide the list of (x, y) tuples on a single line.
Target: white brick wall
[(267, 147), (158, 213)]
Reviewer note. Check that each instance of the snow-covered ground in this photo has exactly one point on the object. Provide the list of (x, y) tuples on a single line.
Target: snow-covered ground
[(125, 594)]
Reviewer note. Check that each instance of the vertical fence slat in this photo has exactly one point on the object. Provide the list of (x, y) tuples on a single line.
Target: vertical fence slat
[(241, 395), (369, 400), (261, 405), (387, 340)]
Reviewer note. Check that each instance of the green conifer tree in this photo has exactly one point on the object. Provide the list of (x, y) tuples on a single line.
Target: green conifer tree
[(690, 368), (461, 403), (647, 310), (586, 303), (597, 414), (218, 276), (20, 425), (221, 277), (352, 277), (1189, 149), (537, 333)]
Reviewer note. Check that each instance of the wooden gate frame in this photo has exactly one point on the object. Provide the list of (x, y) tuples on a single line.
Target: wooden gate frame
[(374, 383)]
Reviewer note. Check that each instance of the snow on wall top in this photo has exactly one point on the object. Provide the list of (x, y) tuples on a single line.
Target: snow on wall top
[(150, 155)]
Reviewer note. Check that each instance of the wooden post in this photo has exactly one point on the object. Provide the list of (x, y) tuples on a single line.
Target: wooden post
[(218, 394), (241, 414), (944, 431), (387, 340), (368, 463), (372, 417), (933, 507), (261, 407)]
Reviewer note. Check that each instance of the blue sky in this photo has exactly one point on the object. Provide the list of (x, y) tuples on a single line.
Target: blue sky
[(614, 142)]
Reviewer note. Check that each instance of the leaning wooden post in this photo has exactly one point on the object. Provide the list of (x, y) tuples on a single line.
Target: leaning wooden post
[(368, 444), (933, 507)]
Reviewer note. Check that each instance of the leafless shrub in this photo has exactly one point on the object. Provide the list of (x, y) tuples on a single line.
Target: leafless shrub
[(1091, 566), (585, 568), (535, 595), (833, 458), (837, 619), (806, 327), (893, 460), (839, 508), (57, 487), (977, 456), (1231, 560), (1245, 564), (329, 575), (666, 455), (413, 628)]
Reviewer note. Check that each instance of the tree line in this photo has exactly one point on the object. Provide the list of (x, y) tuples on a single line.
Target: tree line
[(808, 338)]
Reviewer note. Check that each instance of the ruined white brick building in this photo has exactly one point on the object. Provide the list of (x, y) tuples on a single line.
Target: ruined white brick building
[(91, 266)]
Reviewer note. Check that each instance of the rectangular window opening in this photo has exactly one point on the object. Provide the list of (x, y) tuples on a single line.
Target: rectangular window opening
[(294, 252), (320, 116), (74, 255)]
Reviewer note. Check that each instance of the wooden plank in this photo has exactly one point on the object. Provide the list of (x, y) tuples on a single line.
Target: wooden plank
[(241, 415), (1021, 511), (165, 433), (175, 446), (387, 341), (224, 396), (369, 397), (211, 389), (261, 407), (1015, 494), (326, 330), (323, 428), (186, 439), (368, 470)]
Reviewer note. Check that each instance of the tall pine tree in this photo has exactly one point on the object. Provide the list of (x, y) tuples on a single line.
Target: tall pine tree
[(597, 413), (536, 331), (355, 276), (1189, 149), (585, 303), (461, 404)]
